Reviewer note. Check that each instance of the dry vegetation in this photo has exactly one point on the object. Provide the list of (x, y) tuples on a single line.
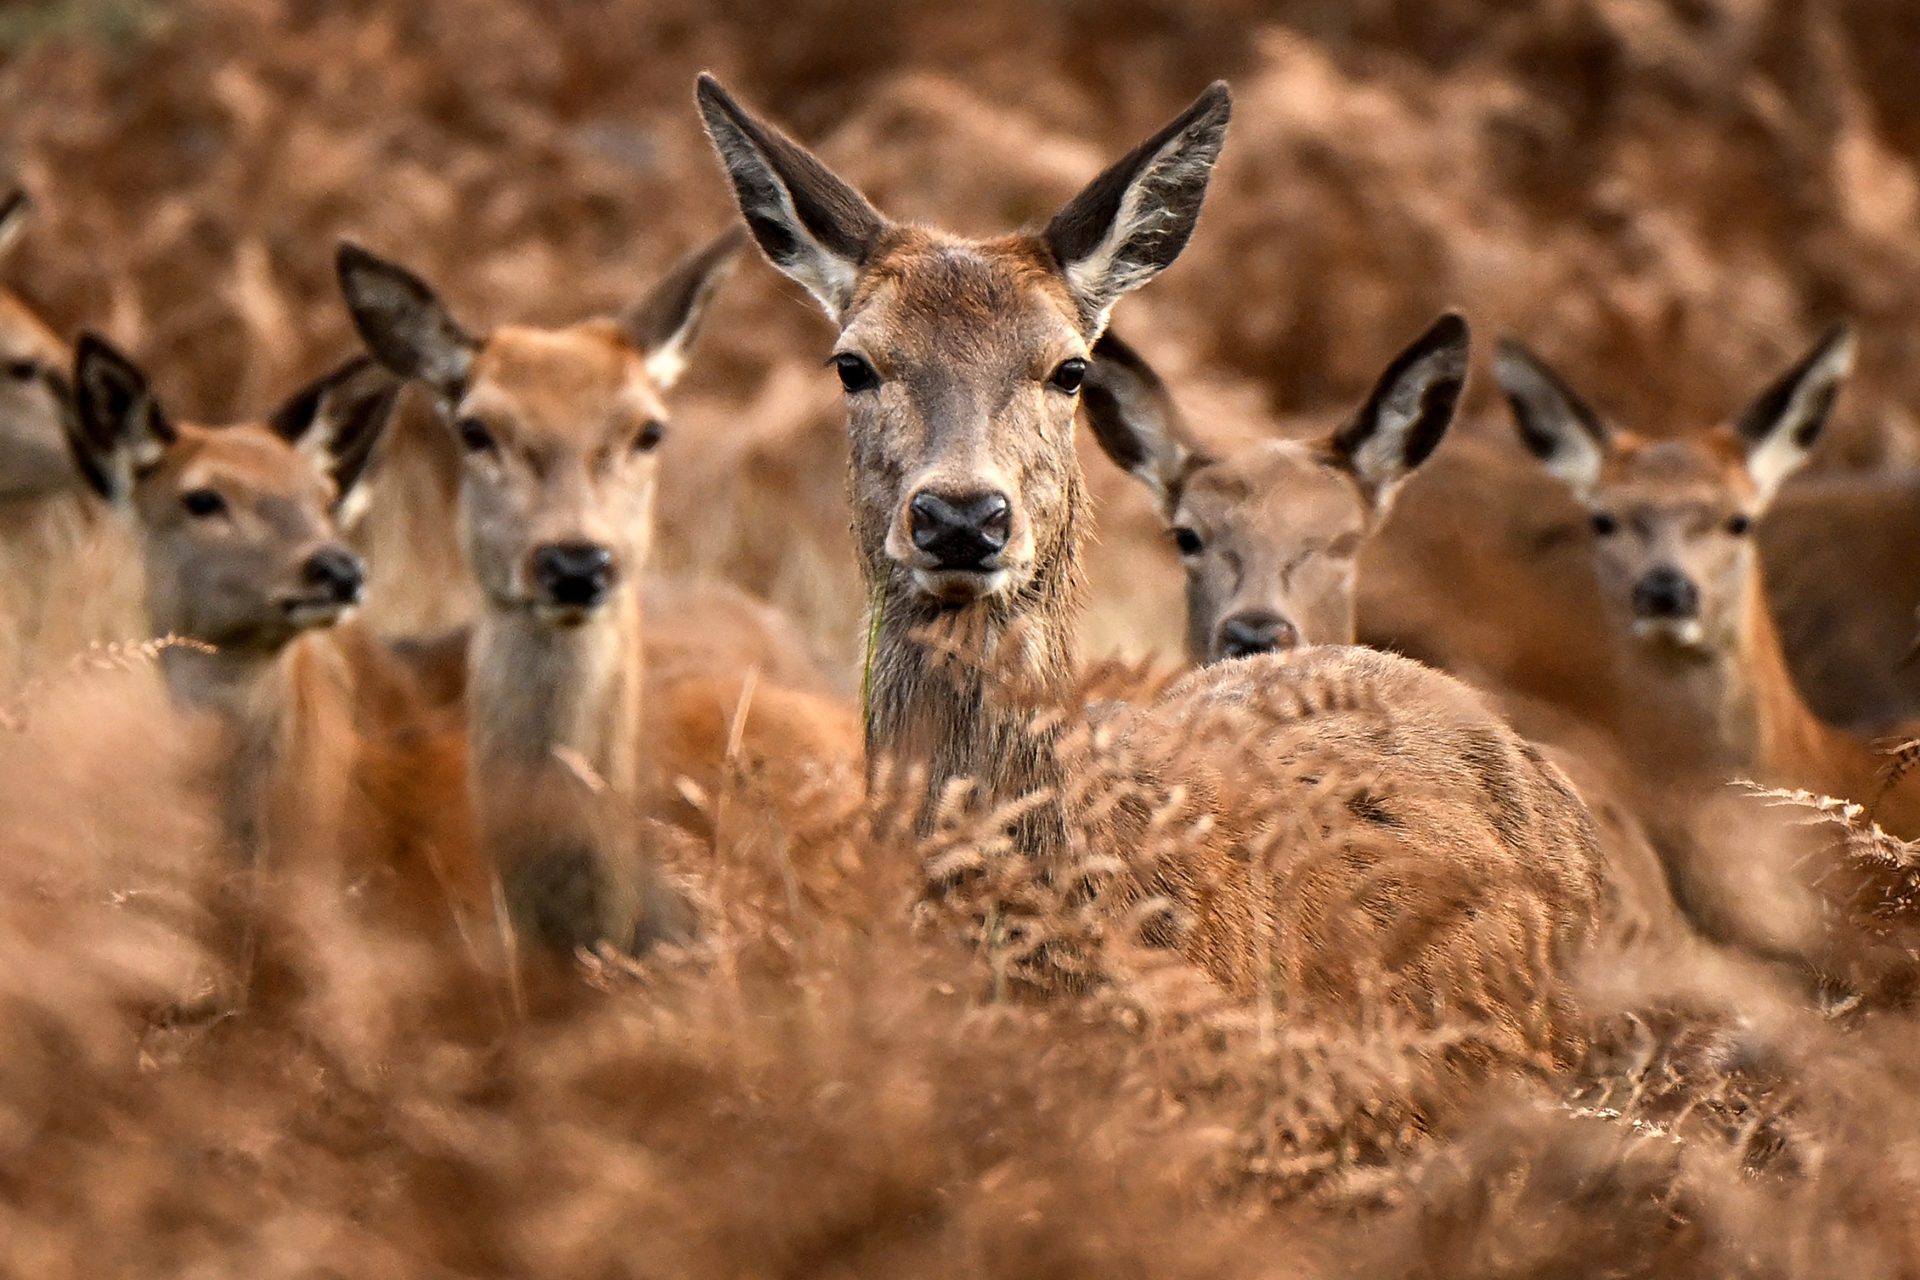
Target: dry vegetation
[(888, 1056)]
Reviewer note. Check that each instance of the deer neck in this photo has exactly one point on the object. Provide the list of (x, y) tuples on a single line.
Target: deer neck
[(288, 736), (955, 691)]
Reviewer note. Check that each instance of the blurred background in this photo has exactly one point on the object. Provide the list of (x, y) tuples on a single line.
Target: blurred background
[(1668, 198)]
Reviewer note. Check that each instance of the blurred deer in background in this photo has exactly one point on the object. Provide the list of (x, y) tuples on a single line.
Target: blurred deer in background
[(560, 429), (962, 363), (332, 759), (1708, 693), (64, 579)]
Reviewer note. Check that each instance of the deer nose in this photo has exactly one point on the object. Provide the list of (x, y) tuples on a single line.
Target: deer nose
[(963, 531), (1666, 593), (1257, 631), (335, 572), (576, 574)]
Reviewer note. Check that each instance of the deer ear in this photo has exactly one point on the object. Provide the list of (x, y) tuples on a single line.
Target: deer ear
[(118, 429), (1779, 429), (1570, 440), (1132, 221), (1134, 418), (810, 223), (404, 324), (338, 419), (16, 209), (667, 320), (1408, 412)]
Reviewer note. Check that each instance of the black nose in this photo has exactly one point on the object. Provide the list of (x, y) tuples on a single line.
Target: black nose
[(578, 574), (1666, 593), (964, 531), (1257, 632), (337, 572)]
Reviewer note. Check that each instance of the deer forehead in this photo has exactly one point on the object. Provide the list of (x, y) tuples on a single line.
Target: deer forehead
[(928, 298), (1276, 489), (245, 457), (562, 387), (1702, 469)]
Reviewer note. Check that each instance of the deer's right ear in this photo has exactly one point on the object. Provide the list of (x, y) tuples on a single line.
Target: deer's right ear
[(1569, 438), (810, 223), (403, 322), (1134, 418), (338, 419), (15, 210), (118, 429)]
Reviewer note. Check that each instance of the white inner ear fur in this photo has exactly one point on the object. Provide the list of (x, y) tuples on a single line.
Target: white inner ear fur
[(1102, 277), (826, 275), (1381, 459), (1779, 454), (1576, 457), (12, 227)]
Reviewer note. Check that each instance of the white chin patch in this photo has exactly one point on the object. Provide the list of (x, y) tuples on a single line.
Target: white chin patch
[(305, 615), (950, 587), (562, 615), (1680, 633)]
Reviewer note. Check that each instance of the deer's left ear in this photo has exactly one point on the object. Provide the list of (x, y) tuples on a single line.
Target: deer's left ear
[(338, 419), (666, 321), (1408, 412), (118, 429), (1779, 429)]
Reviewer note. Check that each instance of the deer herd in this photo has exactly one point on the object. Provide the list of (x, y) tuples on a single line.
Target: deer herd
[(566, 711)]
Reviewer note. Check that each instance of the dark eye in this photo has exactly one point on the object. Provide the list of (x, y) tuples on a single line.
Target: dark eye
[(1604, 524), (202, 503), (474, 436), (1187, 540), (1739, 524), (650, 437), (1069, 375), (855, 373), (23, 370)]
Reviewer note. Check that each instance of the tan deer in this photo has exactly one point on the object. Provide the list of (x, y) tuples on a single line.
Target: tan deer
[(962, 362), (1271, 535), (62, 570), (1705, 684), (560, 429), (331, 757)]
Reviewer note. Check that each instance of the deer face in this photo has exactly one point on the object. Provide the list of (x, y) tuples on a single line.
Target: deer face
[(1672, 520), (35, 394), (237, 523), (962, 360), (1270, 534), (558, 428)]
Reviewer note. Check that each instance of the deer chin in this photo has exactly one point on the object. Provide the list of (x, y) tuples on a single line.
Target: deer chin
[(563, 617), (955, 588), (1683, 635), (309, 613)]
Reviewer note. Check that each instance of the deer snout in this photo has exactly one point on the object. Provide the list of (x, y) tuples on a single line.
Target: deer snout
[(1257, 631), (960, 532), (1666, 593), (334, 574), (574, 575)]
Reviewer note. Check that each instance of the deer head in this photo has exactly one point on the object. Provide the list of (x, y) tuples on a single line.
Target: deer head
[(962, 360), (36, 397), (558, 426), (1270, 533), (237, 523), (1672, 519)]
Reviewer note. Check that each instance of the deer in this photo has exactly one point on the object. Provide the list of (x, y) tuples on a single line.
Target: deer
[(63, 582), (329, 756), (1671, 524), (559, 430), (962, 363)]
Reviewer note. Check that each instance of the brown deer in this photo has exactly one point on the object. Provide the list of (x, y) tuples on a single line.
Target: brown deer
[(63, 571), (331, 756), (559, 429), (962, 362), (1707, 692), (1271, 535)]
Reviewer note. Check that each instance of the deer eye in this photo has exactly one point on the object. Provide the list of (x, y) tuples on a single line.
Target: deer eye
[(1068, 377), (855, 373), (1187, 540), (1605, 524), (649, 437), (474, 436), (23, 370), (1739, 524), (202, 504)]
